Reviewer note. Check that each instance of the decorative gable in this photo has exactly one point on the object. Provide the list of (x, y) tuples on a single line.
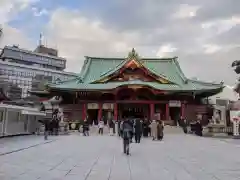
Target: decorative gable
[(133, 69)]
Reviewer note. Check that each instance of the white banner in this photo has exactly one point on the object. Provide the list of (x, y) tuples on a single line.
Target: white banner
[(174, 103), (108, 106), (92, 106)]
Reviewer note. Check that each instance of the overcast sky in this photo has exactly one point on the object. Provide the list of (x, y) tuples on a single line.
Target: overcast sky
[(204, 34)]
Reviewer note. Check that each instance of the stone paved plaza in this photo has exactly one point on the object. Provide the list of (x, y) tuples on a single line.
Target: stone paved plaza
[(74, 157)]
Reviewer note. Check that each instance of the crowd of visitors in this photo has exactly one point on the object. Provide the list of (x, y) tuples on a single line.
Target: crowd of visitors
[(128, 128), (51, 127)]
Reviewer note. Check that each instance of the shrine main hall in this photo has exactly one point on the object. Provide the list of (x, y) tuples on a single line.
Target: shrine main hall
[(152, 88)]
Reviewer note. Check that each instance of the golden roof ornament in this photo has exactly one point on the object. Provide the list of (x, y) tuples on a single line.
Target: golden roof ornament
[(133, 55)]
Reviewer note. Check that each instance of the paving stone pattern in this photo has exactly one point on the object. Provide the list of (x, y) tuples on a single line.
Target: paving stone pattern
[(18, 143), (74, 157)]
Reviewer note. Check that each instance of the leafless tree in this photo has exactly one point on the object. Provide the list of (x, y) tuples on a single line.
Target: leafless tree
[(236, 66), (1, 31)]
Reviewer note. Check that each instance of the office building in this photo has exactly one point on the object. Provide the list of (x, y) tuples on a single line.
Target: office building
[(23, 70)]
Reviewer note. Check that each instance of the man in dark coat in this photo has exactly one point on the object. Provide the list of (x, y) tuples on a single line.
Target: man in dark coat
[(198, 128), (138, 130), (127, 131), (46, 124), (119, 128), (145, 128), (111, 126), (184, 126), (160, 128), (85, 128)]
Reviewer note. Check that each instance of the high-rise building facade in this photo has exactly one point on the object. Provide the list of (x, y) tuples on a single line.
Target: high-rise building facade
[(22, 70)]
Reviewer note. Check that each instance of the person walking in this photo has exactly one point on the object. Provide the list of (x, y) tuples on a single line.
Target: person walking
[(85, 128), (127, 132), (153, 127), (54, 122), (119, 127), (145, 128), (46, 124), (184, 125), (100, 127), (198, 128), (138, 130), (111, 126), (160, 128), (46, 128)]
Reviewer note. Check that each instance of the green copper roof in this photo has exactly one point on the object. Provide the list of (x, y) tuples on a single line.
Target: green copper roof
[(95, 68), (190, 86)]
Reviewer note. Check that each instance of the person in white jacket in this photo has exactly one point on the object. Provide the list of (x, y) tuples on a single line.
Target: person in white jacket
[(100, 127)]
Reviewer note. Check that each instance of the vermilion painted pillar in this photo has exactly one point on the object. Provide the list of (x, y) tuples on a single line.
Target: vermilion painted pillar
[(99, 112), (151, 111), (115, 111), (84, 112), (183, 110), (167, 111)]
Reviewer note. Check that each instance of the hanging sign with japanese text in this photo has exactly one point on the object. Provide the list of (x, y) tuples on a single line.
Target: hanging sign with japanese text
[(108, 106), (92, 106), (174, 103)]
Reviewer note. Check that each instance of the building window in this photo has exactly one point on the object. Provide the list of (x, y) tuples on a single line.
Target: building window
[(1, 115), (13, 116)]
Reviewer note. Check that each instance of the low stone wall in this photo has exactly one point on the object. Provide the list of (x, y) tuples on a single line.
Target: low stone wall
[(213, 130)]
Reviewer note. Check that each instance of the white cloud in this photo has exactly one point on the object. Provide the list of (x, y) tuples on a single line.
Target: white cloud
[(12, 36), (211, 48), (76, 36), (166, 50), (39, 12), (221, 26), (10, 8), (186, 11)]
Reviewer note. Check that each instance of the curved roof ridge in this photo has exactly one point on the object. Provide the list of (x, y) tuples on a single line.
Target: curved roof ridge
[(106, 58), (85, 67), (160, 74), (63, 81), (179, 70), (114, 68), (124, 58), (204, 82)]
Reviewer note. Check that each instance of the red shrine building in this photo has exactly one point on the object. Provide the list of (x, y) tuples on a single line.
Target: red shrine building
[(152, 88)]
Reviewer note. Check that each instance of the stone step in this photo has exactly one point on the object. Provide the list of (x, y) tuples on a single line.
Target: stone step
[(173, 130)]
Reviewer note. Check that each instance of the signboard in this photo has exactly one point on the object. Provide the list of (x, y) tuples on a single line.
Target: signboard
[(174, 103), (108, 106), (92, 106), (235, 116)]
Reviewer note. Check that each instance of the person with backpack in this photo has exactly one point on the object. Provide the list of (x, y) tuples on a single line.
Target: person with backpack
[(127, 131)]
